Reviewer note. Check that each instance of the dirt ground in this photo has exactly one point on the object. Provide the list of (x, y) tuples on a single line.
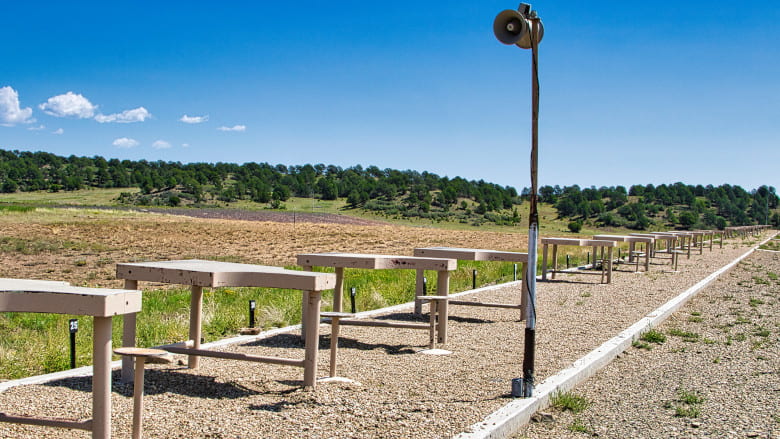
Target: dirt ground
[(82, 246)]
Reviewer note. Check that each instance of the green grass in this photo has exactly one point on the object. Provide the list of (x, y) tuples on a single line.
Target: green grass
[(653, 336), (685, 335), (641, 345), (578, 426), (687, 404), (569, 401), (38, 343), (755, 302), (38, 246)]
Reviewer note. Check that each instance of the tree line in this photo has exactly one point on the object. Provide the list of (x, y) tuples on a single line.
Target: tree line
[(403, 193), (677, 205)]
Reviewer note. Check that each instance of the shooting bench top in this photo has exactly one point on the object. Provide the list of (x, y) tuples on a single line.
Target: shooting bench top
[(578, 242), (375, 262), (199, 273), (224, 274), (622, 238), (471, 254), (23, 295)]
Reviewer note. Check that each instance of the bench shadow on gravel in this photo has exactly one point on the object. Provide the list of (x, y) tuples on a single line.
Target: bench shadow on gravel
[(163, 381)]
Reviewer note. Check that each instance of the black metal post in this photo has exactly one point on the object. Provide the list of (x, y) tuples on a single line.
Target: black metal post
[(352, 299), (252, 305), (515, 272), (74, 328), (473, 279)]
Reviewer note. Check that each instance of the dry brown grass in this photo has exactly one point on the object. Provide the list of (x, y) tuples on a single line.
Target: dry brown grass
[(106, 238)]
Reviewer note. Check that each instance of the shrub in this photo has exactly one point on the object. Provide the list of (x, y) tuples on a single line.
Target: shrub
[(575, 226)]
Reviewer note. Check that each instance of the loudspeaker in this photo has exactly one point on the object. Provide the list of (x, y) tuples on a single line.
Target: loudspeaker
[(525, 41), (510, 27)]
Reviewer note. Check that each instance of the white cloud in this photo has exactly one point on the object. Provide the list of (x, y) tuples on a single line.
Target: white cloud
[(69, 105), (124, 142), (38, 128), (139, 114), (10, 112), (58, 131), (194, 119), (233, 128), (185, 145), (161, 144)]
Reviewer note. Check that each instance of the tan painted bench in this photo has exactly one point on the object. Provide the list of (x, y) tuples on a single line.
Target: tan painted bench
[(140, 355), (632, 242), (606, 269), (471, 254), (340, 261), (21, 295), (211, 274)]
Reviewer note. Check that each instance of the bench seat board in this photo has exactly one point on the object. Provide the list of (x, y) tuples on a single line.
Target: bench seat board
[(222, 274), (374, 262)]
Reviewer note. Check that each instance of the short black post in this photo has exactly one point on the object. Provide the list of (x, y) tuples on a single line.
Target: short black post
[(425, 286), (74, 328), (252, 305), (515, 272), (568, 261), (352, 299), (619, 255), (473, 279), (588, 262)]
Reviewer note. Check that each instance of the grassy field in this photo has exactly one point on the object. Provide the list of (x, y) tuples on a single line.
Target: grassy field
[(82, 246)]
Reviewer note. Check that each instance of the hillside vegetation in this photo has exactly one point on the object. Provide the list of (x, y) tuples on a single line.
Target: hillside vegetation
[(387, 192)]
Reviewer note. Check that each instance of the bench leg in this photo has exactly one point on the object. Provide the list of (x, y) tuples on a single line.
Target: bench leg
[(443, 289), (138, 397), (101, 378), (544, 262), (432, 331), (554, 260), (196, 313), (313, 300), (128, 335), (334, 344), (418, 291)]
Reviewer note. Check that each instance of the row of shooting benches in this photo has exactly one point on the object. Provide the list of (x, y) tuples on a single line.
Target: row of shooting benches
[(41, 296), (641, 246)]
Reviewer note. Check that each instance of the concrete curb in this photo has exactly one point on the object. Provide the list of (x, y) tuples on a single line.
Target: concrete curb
[(508, 419)]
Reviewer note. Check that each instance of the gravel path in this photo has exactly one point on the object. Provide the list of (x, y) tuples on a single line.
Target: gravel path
[(403, 394), (728, 356)]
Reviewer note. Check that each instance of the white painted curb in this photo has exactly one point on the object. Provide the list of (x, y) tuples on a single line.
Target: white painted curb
[(509, 418)]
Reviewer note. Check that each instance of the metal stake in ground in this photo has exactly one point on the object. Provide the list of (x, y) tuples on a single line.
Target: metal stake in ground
[(524, 28), (74, 328)]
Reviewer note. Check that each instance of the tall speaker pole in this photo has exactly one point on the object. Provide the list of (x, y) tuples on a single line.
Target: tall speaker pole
[(529, 351), (524, 29)]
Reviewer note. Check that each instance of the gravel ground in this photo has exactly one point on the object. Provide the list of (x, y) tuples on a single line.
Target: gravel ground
[(728, 356), (403, 394)]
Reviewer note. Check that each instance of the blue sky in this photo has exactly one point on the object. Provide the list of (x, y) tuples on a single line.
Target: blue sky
[(631, 92)]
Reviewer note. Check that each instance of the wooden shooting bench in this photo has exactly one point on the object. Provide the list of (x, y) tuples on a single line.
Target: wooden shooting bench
[(711, 235), (632, 241), (683, 238), (471, 254), (211, 274), (671, 243), (21, 295), (606, 265), (340, 261)]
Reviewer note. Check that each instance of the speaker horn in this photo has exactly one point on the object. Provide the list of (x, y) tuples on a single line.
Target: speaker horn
[(510, 27), (525, 40)]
